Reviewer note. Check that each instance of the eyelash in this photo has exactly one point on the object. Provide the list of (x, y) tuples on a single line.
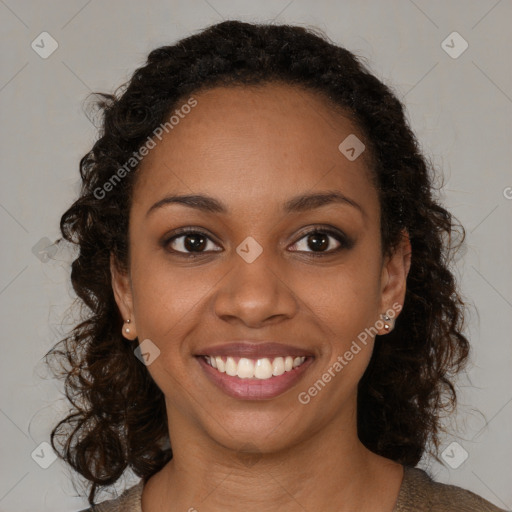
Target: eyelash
[(343, 240)]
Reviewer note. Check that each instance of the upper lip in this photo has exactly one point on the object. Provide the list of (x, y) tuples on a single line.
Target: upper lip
[(254, 350)]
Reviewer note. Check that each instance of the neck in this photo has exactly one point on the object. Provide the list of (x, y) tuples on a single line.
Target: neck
[(331, 470)]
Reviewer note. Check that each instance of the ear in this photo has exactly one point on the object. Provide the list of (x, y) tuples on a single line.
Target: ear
[(121, 286), (394, 277)]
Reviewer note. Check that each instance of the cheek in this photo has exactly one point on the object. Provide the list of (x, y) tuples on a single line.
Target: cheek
[(170, 302), (346, 298), (165, 300), (167, 306), (346, 307)]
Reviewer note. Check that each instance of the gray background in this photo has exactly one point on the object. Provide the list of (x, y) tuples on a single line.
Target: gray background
[(460, 109)]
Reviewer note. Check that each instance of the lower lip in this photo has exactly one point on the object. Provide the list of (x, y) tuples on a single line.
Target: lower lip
[(254, 389)]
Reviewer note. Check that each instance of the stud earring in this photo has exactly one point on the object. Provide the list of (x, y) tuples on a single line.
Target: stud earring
[(387, 319), (127, 329)]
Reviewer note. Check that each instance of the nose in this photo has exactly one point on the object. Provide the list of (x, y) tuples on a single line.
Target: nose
[(255, 294)]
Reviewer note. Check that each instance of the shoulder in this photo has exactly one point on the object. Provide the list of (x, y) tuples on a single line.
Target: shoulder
[(128, 501), (420, 493)]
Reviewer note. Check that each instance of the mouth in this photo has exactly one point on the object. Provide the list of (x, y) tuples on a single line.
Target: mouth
[(254, 371)]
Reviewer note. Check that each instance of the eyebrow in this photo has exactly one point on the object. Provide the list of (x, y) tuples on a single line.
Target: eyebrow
[(296, 204)]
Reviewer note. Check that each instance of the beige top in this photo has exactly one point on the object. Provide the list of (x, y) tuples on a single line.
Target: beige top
[(418, 493)]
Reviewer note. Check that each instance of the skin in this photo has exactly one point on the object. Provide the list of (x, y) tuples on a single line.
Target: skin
[(254, 148)]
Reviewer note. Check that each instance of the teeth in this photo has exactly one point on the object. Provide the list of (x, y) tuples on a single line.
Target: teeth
[(231, 366), (278, 366), (221, 366), (261, 369), (297, 361), (245, 368)]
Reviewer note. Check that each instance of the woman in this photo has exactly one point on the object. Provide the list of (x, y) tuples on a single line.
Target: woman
[(267, 276)]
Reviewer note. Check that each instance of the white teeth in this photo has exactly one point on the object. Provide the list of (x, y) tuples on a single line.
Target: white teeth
[(245, 368), (221, 366), (263, 368), (278, 366), (231, 366)]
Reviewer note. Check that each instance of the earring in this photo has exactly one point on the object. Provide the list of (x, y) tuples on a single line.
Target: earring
[(387, 319), (127, 329)]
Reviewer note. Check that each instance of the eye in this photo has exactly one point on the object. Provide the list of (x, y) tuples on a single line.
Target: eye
[(188, 241), (192, 242), (321, 241)]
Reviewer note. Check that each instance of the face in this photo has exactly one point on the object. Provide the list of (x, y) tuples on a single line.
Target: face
[(278, 277)]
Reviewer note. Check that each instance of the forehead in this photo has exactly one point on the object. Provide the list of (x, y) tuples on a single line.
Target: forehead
[(269, 141)]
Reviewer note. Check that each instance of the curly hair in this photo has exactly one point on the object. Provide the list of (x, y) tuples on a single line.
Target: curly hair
[(119, 417)]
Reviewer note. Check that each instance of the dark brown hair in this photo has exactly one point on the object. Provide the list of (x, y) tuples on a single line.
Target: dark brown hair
[(119, 417)]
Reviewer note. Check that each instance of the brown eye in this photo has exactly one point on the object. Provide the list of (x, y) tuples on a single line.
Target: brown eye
[(316, 242), (322, 241), (189, 241)]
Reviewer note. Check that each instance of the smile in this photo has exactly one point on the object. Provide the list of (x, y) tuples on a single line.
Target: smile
[(244, 368), (254, 379)]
